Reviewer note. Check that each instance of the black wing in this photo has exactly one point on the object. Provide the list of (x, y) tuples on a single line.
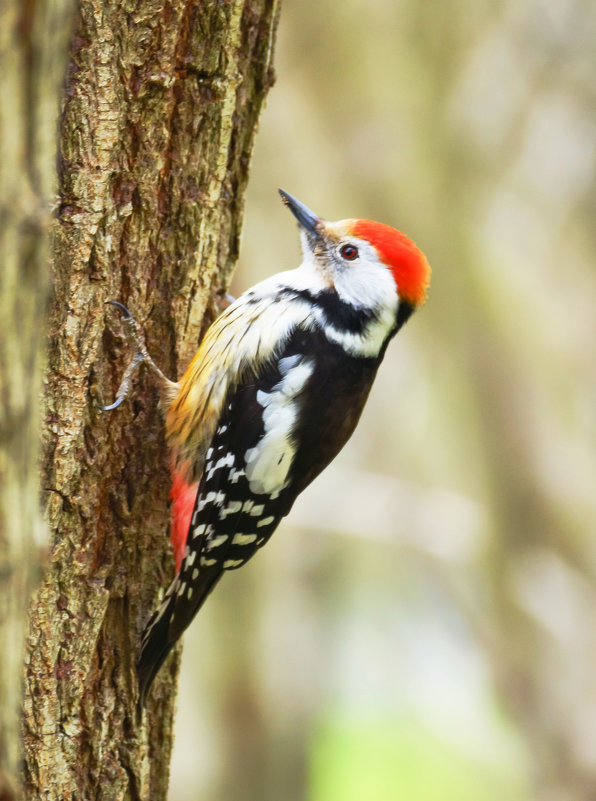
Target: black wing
[(277, 433)]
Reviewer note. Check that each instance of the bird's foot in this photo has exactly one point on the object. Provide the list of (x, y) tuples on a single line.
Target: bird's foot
[(136, 339)]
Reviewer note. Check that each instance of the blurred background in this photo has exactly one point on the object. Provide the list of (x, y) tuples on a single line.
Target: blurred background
[(423, 626)]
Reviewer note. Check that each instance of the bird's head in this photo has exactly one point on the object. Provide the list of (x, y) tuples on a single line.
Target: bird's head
[(360, 257)]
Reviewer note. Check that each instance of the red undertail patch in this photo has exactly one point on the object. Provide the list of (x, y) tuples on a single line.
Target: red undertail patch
[(183, 497)]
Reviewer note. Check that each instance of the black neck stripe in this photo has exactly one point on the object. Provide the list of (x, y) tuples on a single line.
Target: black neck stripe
[(339, 314), (404, 311)]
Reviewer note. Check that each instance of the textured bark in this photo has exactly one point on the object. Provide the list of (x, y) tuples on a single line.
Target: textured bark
[(161, 105), (32, 58)]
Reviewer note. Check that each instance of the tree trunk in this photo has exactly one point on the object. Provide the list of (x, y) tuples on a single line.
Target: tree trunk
[(161, 105), (32, 57)]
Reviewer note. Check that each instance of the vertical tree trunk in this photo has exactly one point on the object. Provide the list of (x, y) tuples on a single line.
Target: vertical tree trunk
[(161, 105), (32, 57)]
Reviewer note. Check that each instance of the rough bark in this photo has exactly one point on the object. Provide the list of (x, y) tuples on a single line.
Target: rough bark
[(32, 57), (161, 105)]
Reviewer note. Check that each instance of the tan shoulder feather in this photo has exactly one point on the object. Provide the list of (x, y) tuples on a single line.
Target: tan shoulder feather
[(237, 345)]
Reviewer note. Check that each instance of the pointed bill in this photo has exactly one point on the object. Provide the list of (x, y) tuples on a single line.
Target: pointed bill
[(307, 219)]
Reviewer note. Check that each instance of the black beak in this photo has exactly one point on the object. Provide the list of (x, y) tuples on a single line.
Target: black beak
[(309, 221)]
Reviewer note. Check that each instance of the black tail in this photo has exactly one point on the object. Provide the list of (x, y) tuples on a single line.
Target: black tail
[(167, 624), (156, 645)]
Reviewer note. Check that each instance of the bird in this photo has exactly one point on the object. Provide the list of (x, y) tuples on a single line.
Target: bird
[(274, 392)]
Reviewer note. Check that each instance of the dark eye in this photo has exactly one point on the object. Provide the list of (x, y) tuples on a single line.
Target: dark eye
[(348, 252)]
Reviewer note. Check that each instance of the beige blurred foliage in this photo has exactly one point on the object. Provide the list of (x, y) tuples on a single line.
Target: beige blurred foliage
[(444, 566)]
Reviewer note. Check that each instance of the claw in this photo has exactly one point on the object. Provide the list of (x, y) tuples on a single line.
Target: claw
[(122, 307), (110, 406), (125, 384), (141, 355)]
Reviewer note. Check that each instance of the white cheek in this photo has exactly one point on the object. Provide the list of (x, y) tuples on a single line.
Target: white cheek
[(366, 285)]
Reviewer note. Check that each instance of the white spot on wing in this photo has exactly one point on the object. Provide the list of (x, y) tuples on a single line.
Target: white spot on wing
[(216, 498), (216, 541), (225, 461), (235, 475), (243, 539), (266, 521), (233, 563), (287, 363), (232, 508), (269, 462), (264, 398)]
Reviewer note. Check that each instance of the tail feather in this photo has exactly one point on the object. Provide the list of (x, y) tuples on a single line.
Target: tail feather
[(167, 624), (156, 645)]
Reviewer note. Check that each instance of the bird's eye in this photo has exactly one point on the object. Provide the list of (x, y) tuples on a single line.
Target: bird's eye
[(348, 252)]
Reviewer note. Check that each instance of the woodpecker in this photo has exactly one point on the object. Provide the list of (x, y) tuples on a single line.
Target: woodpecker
[(273, 393)]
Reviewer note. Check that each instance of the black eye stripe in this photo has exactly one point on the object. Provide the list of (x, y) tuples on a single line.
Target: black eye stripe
[(348, 252)]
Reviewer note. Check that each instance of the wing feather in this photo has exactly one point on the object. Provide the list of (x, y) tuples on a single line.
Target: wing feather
[(249, 333)]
